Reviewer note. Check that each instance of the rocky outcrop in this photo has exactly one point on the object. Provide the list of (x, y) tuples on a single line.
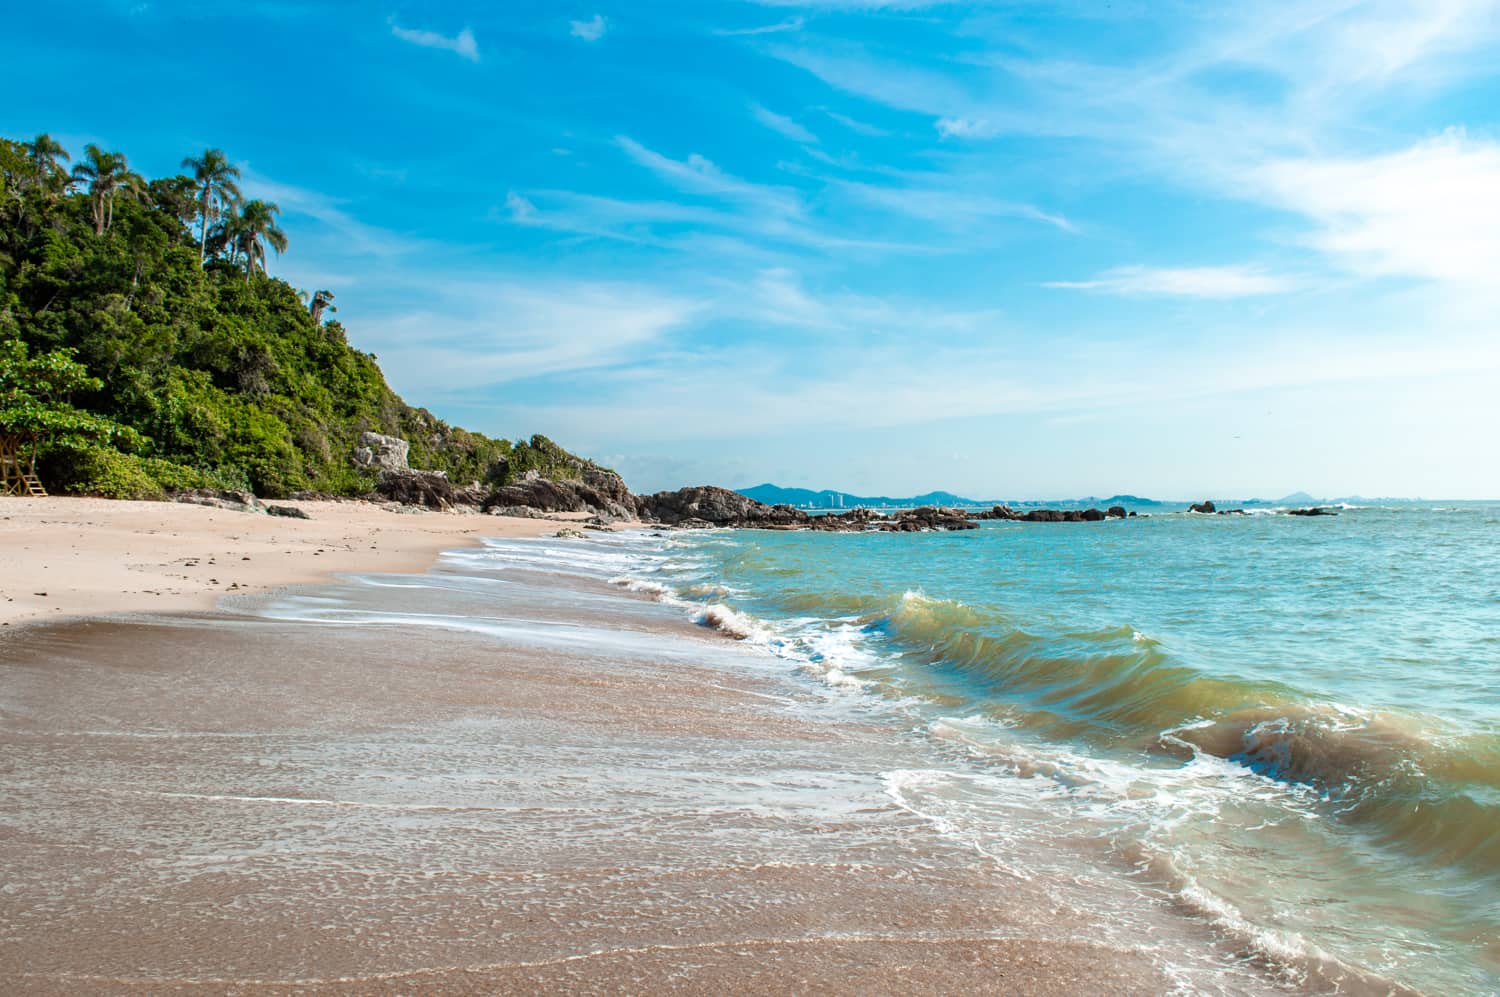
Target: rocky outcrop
[(708, 505), (1005, 512), (1205, 506), (1314, 511), (431, 489), (598, 491), (287, 512), (220, 499), (381, 453), (924, 519)]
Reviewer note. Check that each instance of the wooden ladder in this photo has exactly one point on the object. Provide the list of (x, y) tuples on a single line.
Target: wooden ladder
[(33, 485)]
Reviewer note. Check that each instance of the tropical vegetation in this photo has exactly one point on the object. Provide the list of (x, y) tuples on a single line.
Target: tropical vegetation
[(176, 360)]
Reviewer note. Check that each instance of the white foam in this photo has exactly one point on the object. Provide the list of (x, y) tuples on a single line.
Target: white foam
[(735, 624)]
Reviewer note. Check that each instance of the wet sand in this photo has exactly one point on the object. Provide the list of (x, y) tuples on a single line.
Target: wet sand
[(564, 802)]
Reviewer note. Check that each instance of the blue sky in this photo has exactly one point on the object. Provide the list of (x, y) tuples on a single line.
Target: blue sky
[(1010, 249)]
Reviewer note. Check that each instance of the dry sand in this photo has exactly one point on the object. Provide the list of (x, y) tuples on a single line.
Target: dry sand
[(63, 558)]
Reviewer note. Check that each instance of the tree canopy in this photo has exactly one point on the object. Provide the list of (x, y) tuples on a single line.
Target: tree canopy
[(149, 349)]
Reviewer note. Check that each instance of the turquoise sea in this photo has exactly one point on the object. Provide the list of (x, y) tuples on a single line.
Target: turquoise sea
[(1287, 727)]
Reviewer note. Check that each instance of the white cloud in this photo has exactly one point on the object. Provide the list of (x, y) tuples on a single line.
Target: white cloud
[(790, 24), (591, 30), (783, 125), (1431, 210), (461, 44), (966, 128), (1183, 282), (698, 174), (856, 126), (955, 208), (519, 207), (480, 334)]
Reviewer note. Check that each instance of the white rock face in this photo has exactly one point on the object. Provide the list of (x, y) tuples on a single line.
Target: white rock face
[(388, 453)]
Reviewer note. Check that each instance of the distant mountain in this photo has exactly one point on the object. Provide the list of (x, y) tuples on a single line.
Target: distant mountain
[(806, 498), (1297, 498)]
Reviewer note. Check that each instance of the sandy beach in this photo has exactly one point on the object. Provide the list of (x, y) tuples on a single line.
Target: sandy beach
[(67, 558), (486, 778)]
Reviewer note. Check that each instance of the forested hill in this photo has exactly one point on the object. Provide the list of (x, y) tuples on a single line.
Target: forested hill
[(198, 368)]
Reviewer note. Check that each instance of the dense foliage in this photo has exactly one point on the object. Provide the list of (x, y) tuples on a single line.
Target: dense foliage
[(188, 366)]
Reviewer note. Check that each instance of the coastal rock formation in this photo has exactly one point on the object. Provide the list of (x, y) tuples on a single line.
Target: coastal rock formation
[(381, 453), (425, 488), (708, 505), (923, 519), (1313, 511), (287, 512), (598, 491), (1005, 512), (220, 499), (1205, 507)]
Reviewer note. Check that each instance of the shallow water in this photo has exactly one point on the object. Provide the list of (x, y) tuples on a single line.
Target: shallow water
[(1286, 727)]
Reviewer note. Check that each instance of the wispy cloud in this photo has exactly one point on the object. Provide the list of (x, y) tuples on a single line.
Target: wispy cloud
[(966, 128), (591, 30), (780, 27), (1183, 282), (698, 174), (855, 125), (783, 125), (461, 44), (478, 334), (956, 207)]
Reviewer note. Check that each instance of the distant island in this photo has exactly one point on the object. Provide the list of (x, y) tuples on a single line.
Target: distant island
[(831, 499)]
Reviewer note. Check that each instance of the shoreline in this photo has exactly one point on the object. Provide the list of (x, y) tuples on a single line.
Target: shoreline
[(502, 779), (82, 558)]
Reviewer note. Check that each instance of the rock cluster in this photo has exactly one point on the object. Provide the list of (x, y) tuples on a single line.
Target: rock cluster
[(600, 492), (708, 505), (1005, 512), (236, 502)]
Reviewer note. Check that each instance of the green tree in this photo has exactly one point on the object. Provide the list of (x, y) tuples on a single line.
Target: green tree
[(218, 192), (35, 407), (47, 157), (106, 174), (321, 301), (255, 229)]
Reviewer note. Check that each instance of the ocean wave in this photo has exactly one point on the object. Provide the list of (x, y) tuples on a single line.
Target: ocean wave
[(732, 623)]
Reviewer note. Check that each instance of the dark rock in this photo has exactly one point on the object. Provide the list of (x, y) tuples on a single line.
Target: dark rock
[(712, 506), (1115, 512), (1204, 506), (1093, 515), (597, 491), (287, 511), (1314, 511), (431, 489)]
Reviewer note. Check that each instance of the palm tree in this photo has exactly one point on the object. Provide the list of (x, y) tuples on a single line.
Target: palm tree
[(47, 157), (253, 230), (106, 174), (321, 301), (217, 190)]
